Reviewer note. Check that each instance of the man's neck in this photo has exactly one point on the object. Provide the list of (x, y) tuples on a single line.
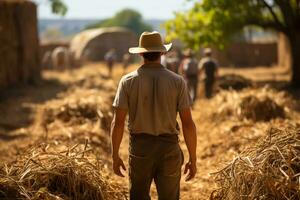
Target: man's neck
[(157, 62)]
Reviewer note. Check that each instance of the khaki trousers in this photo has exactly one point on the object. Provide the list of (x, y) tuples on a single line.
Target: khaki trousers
[(157, 158)]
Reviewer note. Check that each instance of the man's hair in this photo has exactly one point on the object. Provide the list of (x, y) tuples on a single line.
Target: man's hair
[(151, 56), (208, 54)]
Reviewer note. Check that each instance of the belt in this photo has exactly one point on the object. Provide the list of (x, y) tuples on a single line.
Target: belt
[(170, 138)]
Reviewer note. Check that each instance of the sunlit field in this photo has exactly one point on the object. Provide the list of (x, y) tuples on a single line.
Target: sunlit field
[(56, 134)]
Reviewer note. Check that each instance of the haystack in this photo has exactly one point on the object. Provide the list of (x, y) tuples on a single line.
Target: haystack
[(65, 175), (261, 104), (257, 109), (233, 81), (19, 49), (92, 45), (79, 108), (268, 170)]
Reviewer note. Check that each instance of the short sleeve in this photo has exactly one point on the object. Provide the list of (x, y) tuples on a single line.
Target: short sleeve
[(184, 99), (121, 98)]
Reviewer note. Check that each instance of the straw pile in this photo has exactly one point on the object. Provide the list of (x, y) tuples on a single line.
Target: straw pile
[(252, 104), (269, 170), (233, 81), (78, 109), (50, 175), (257, 109)]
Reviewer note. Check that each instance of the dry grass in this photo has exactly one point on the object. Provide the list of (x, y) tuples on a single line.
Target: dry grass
[(269, 170), (79, 108), (67, 174), (220, 138)]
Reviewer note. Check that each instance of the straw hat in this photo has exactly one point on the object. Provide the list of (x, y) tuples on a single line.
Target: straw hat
[(150, 42), (207, 51)]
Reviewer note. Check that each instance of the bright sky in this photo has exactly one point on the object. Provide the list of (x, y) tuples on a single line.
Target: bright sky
[(85, 9)]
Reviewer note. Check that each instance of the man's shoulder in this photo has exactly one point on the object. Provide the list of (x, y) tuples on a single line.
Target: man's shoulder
[(177, 79), (205, 59), (174, 75), (209, 60), (129, 76)]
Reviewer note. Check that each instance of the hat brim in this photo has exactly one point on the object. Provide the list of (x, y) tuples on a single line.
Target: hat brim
[(164, 48)]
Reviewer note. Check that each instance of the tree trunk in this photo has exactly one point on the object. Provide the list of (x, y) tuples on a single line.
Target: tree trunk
[(294, 39)]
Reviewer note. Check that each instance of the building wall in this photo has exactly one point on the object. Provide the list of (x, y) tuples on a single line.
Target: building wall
[(237, 54), (19, 49), (248, 54)]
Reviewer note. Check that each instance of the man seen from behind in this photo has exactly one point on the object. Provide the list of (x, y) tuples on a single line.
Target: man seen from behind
[(209, 67), (152, 96)]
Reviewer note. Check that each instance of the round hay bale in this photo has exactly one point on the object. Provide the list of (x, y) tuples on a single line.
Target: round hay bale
[(269, 170), (93, 44), (234, 82)]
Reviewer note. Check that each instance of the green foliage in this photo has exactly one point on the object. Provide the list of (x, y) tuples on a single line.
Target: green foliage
[(127, 18), (218, 21), (58, 7)]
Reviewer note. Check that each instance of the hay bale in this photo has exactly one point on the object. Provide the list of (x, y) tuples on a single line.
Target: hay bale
[(8, 189), (60, 58), (269, 170), (19, 50), (92, 45), (234, 82), (46, 60), (52, 175), (261, 104)]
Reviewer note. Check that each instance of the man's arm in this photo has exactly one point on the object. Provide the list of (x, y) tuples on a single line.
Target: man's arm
[(117, 130), (190, 137)]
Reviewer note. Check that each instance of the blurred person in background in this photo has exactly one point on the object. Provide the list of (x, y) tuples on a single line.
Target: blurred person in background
[(110, 58), (190, 71), (173, 62), (152, 96), (126, 62), (163, 60), (209, 67)]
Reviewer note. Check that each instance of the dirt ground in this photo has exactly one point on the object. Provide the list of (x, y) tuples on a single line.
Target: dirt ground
[(22, 121)]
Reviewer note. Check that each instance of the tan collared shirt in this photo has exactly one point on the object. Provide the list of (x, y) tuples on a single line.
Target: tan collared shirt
[(152, 95)]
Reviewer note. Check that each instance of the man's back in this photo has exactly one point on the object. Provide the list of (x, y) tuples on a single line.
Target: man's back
[(190, 67), (152, 95)]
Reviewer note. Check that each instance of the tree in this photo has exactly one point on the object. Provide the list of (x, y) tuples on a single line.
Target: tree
[(127, 18), (217, 21), (58, 7)]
